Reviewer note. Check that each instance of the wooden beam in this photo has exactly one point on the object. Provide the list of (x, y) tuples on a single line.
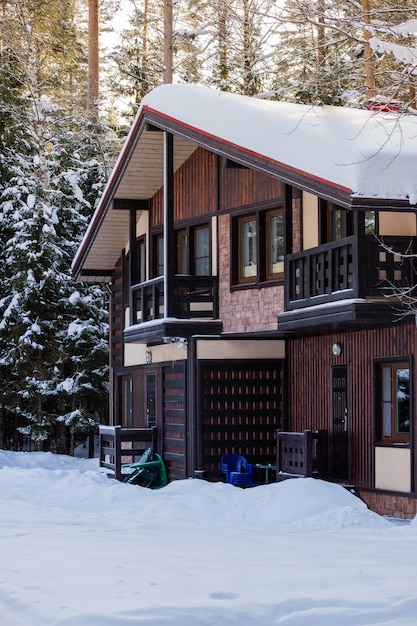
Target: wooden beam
[(288, 219), (124, 204)]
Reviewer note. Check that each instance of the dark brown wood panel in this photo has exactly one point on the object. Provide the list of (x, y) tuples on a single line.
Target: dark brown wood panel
[(116, 317), (139, 397), (174, 418), (310, 362), (241, 407), (239, 187), (195, 189)]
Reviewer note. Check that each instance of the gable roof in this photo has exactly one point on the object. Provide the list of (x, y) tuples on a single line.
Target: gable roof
[(354, 154)]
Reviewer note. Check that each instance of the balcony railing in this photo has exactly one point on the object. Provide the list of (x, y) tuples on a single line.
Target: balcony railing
[(194, 297), (119, 445), (343, 269)]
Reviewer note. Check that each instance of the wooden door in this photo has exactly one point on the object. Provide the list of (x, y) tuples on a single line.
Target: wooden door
[(150, 399), (340, 423)]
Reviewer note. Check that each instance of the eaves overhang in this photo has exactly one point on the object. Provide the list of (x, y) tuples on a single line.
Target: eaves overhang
[(138, 172)]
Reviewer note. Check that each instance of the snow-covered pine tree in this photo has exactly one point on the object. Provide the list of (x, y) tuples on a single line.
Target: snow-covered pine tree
[(53, 333), (324, 56)]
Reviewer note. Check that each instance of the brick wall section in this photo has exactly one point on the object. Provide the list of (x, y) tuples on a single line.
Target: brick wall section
[(394, 505), (244, 310)]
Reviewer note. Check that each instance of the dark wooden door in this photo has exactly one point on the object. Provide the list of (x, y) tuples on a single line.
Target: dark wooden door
[(150, 399), (340, 423)]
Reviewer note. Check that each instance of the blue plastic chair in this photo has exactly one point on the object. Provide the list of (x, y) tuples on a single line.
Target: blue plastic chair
[(237, 469)]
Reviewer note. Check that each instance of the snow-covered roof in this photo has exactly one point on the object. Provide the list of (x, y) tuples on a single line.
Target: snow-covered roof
[(358, 153), (370, 155)]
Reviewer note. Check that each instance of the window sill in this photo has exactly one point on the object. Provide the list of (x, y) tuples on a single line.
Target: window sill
[(392, 444), (257, 285)]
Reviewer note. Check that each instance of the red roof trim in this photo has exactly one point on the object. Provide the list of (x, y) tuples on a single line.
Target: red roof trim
[(251, 152)]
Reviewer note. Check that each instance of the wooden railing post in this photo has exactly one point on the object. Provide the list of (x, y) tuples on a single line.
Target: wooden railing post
[(117, 453)]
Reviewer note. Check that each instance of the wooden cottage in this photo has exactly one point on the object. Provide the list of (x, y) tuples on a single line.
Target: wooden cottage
[(258, 255)]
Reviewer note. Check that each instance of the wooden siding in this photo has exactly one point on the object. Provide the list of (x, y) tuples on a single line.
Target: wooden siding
[(116, 317), (310, 362), (174, 418), (240, 187), (202, 186), (195, 189), (240, 407)]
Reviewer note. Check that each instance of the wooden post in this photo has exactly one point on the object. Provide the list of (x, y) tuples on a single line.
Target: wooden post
[(169, 235), (117, 453)]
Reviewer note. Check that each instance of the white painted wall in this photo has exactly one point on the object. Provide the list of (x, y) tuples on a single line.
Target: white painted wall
[(393, 469)]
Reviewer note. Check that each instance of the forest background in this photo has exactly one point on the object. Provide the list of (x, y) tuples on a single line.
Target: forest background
[(70, 85)]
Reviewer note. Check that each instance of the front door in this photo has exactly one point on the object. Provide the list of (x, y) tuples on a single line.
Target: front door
[(340, 423), (150, 399)]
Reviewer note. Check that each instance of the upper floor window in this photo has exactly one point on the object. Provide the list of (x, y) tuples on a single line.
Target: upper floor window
[(247, 249), (393, 401), (258, 246), (182, 252), (202, 251), (193, 250), (336, 223), (158, 256), (140, 271), (275, 244)]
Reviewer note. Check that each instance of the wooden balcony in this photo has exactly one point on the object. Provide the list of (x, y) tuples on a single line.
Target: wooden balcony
[(191, 303), (192, 297), (349, 269)]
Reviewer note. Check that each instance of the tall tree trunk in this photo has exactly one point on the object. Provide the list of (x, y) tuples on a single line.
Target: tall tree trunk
[(321, 52), (93, 62), (368, 58), (168, 38), (222, 10)]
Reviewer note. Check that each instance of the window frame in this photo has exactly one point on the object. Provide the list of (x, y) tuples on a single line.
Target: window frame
[(387, 409), (336, 223), (270, 273), (244, 251), (263, 275), (188, 233)]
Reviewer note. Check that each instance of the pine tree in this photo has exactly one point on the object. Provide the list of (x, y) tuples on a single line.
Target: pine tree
[(53, 332), (325, 55)]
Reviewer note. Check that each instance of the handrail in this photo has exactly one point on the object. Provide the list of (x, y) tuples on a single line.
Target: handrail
[(344, 269), (114, 446), (194, 297)]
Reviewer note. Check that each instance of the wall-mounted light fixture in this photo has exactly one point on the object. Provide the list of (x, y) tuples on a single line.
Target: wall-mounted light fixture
[(148, 357), (337, 349), (181, 342)]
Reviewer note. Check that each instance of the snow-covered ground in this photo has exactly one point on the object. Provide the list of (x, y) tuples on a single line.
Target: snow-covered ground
[(79, 549)]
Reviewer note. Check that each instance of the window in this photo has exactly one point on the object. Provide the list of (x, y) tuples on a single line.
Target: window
[(158, 256), (193, 250), (258, 243), (275, 244), (247, 249), (336, 223), (201, 251), (394, 405), (139, 271), (182, 252)]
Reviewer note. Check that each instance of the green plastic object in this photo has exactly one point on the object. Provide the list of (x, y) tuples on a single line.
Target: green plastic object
[(148, 472)]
